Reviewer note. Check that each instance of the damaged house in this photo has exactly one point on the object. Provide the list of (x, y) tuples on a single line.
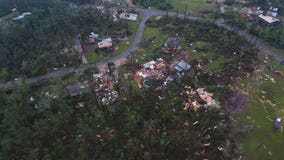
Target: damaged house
[(153, 70), (105, 43), (128, 16)]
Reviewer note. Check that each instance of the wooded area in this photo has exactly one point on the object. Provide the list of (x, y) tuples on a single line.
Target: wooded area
[(160, 4), (33, 45), (142, 124)]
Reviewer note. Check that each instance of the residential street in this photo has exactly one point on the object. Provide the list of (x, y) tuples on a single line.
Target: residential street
[(119, 59)]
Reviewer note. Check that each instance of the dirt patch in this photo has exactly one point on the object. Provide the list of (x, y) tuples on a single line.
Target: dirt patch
[(130, 3), (237, 102)]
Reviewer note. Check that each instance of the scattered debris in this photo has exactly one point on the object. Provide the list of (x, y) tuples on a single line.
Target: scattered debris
[(153, 70), (237, 102), (208, 98), (103, 88)]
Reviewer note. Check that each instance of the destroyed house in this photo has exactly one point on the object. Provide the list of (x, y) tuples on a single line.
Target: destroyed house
[(182, 66)]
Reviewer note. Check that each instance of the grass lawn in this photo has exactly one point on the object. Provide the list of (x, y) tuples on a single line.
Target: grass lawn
[(133, 26), (6, 20), (154, 37), (193, 5), (263, 142), (151, 40)]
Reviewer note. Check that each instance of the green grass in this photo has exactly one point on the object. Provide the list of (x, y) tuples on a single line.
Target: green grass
[(262, 114), (5, 20), (154, 36), (133, 26), (193, 5)]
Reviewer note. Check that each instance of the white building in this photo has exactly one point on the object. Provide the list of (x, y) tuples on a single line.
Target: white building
[(105, 43), (128, 16)]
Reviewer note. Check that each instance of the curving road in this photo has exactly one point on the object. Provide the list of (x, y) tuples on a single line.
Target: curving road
[(121, 57)]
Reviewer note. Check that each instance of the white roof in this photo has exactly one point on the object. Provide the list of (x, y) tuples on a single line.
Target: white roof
[(268, 19), (105, 43), (94, 35), (271, 13), (128, 16), (149, 64), (27, 13)]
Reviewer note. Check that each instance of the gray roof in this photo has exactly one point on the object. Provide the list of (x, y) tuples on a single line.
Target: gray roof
[(182, 66), (93, 35), (172, 42), (77, 89)]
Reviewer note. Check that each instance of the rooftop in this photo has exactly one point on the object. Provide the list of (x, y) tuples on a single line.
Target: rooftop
[(128, 16), (105, 43), (77, 89), (172, 42), (268, 19), (182, 66)]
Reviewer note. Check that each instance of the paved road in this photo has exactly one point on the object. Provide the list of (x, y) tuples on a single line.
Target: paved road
[(147, 14), (254, 41)]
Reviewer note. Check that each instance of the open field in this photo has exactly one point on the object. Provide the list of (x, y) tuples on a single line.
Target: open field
[(266, 96), (193, 5)]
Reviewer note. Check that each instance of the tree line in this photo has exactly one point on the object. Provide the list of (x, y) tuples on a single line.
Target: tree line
[(33, 45)]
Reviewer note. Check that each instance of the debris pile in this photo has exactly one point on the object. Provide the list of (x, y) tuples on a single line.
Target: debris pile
[(192, 96), (160, 70), (103, 88), (153, 70)]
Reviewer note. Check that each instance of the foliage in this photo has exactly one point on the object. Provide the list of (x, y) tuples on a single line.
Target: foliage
[(34, 44), (160, 4), (272, 35), (235, 19), (138, 126)]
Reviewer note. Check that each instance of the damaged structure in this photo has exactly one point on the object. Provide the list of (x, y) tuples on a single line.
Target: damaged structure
[(103, 88), (128, 16), (192, 95), (153, 70), (105, 43)]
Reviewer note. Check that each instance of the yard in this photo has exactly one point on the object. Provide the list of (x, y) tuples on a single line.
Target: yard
[(193, 5), (266, 96)]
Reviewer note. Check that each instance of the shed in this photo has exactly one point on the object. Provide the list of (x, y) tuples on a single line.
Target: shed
[(128, 16), (77, 89), (182, 66), (94, 35)]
